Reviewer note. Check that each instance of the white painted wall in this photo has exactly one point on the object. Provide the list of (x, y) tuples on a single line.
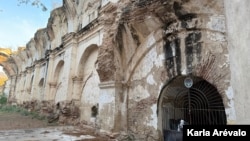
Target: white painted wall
[(238, 31), (90, 96), (107, 106), (64, 76), (146, 70), (89, 89)]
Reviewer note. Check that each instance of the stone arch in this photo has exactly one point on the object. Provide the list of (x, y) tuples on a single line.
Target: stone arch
[(4, 55), (201, 104), (136, 60), (87, 64), (5, 71), (10, 68), (140, 54), (58, 70), (4, 84), (89, 54), (41, 44), (57, 17), (87, 81), (58, 80), (190, 51), (70, 12)]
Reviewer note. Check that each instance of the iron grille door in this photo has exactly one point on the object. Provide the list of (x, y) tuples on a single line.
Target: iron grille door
[(199, 105)]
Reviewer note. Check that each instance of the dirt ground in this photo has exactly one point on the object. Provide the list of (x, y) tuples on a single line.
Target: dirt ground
[(15, 127), (12, 121)]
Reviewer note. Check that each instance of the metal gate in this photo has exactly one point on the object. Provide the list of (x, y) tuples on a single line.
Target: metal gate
[(201, 104)]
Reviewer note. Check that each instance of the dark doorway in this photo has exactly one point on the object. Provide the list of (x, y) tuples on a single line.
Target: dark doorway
[(201, 104)]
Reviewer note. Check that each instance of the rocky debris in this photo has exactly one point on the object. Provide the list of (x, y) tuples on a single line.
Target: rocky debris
[(33, 105), (64, 113), (47, 107), (69, 113), (29, 105), (53, 117)]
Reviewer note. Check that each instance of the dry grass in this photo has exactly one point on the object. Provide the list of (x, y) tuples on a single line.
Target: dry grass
[(10, 121)]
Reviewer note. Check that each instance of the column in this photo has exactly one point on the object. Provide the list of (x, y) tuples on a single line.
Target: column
[(112, 115), (77, 83)]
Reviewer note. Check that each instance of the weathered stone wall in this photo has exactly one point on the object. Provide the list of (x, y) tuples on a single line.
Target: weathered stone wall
[(159, 40), (59, 64), (106, 63)]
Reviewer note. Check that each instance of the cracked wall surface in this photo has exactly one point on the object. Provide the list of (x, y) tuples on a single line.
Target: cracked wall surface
[(105, 63)]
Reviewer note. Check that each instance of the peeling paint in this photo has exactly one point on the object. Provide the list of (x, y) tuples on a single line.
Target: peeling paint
[(159, 61), (172, 41), (184, 72), (230, 112), (150, 41), (217, 23), (160, 88), (91, 90), (227, 56), (229, 93), (145, 67), (150, 80), (106, 98), (153, 119), (213, 36), (139, 93)]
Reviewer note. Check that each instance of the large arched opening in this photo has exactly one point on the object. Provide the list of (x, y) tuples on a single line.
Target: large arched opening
[(4, 84), (58, 80), (199, 104), (86, 86), (6, 71)]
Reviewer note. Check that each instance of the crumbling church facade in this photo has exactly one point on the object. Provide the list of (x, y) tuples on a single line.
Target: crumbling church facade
[(135, 66)]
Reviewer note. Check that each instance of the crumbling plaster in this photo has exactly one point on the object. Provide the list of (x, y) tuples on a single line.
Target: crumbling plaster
[(208, 23), (121, 59)]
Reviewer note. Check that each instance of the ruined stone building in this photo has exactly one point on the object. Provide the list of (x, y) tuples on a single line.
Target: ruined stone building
[(120, 65)]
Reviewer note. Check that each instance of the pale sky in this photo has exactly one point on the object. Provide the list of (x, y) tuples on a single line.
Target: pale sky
[(18, 24)]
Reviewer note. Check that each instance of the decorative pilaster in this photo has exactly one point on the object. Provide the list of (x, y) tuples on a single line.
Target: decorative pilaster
[(77, 82), (112, 107)]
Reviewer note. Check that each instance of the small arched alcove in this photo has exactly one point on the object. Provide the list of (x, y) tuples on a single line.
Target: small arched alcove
[(58, 71), (201, 104), (41, 88), (31, 84), (87, 61), (86, 88), (40, 82)]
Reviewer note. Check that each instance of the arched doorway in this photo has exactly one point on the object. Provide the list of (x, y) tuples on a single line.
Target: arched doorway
[(201, 104), (87, 89)]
